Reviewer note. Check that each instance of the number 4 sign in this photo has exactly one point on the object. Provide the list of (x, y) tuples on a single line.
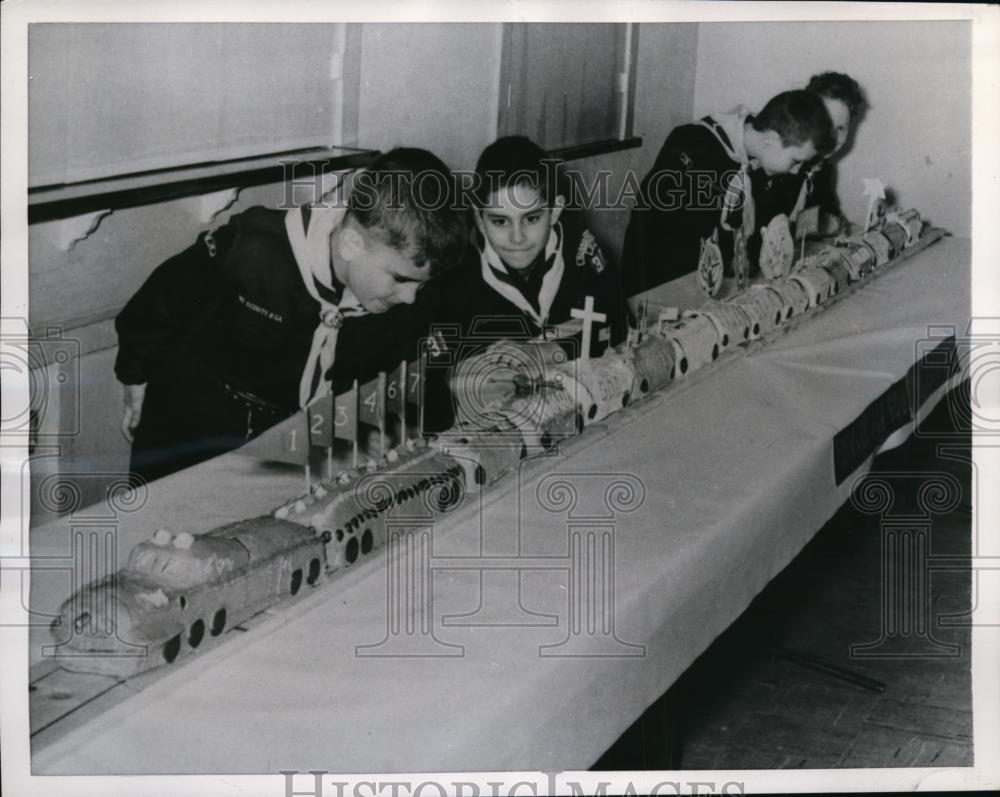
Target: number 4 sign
[(371, 406)]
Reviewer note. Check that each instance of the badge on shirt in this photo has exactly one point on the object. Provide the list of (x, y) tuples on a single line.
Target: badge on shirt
[(710, 265), (589, 252), (777, 249)]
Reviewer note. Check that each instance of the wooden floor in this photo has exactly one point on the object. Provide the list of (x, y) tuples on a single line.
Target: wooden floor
[(750, 703)]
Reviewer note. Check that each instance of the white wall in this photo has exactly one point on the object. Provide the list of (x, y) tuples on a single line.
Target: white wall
[(664, 98), (916, 134), (412, 94), (430, 85)]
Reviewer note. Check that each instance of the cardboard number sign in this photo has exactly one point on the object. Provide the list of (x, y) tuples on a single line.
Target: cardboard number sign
[(777, 249), (710, 265)]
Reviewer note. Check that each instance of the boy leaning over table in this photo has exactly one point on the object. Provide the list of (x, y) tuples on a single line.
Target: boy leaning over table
[(700, 188), (815, 183), (278, 307)]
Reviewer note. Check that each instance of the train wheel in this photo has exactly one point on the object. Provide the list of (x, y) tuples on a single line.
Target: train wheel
[(172, 648), (313, 576), (296, 584), (196, 633), (351, 551), (218, 622)]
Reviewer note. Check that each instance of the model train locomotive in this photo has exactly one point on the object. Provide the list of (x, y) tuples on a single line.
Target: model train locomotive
[(179, 590)]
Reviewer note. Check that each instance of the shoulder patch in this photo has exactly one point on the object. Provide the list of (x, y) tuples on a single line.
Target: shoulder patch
[(686, 160), (589, 253)]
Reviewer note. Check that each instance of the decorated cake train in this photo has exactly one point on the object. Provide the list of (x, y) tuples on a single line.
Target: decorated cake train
[(515, 400)]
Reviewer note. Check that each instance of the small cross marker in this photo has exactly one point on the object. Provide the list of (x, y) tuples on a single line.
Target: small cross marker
[(588, 316)]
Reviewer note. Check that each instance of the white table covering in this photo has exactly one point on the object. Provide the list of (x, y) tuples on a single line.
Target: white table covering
[(738, 475)]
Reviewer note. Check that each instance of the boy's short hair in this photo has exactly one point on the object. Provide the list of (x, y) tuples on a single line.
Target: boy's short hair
[(838, 86), (407, 199), (799, 117), (517, 160)]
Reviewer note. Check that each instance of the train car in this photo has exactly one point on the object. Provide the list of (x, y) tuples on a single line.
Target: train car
[(911, 222), (880, 244), (351, 512), (839, 271), (843, 253), (863, 255), (732, 323), (483, 458), (654, 363), (697, 340), (598, 385), (179, 590), (544, 418), (896, 233), (763, 307), (817, 283), (794, 298)]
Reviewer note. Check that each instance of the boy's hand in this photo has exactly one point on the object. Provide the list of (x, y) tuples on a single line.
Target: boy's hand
[(134, 397)]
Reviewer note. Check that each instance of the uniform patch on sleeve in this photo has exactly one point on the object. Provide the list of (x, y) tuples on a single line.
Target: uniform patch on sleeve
[(589, 253), (686, 160)]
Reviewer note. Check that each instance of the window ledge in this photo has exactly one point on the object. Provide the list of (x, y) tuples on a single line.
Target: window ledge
[(580, 151), (52, 202)]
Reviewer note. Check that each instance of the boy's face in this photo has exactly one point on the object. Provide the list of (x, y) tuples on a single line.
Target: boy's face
[(840, 115), (516, 222), (779, 158), (379, 276)]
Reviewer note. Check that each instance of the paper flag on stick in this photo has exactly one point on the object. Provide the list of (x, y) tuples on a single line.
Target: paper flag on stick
[(415, 392), (345, 415), (371, 402), (874, 190), (395, 391), (320, 412), (395, 394), (414, 382), (287, 441)]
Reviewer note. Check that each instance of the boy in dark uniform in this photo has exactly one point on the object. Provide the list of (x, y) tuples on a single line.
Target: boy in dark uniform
[(532, 262), (815, 185), (700, 186), (276, 308)]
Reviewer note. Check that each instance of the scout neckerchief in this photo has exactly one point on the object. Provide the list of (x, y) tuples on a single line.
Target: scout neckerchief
[(309, 230), (498, 277), (805, 191), (728, 130)]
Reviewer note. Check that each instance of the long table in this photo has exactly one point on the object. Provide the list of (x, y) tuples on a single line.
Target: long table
[(560, 605)]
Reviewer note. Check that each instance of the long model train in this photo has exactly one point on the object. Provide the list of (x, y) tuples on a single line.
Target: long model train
[(179, 590)]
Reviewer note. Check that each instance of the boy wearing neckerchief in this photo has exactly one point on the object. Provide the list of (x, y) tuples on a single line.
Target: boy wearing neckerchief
[(701, 187), (815, 184), (276, 308), (532, 261)]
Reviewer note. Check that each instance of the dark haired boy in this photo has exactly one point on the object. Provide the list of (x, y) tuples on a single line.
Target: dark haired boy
[(815, 184), (701, 189), (533, 261), (276, 308)]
